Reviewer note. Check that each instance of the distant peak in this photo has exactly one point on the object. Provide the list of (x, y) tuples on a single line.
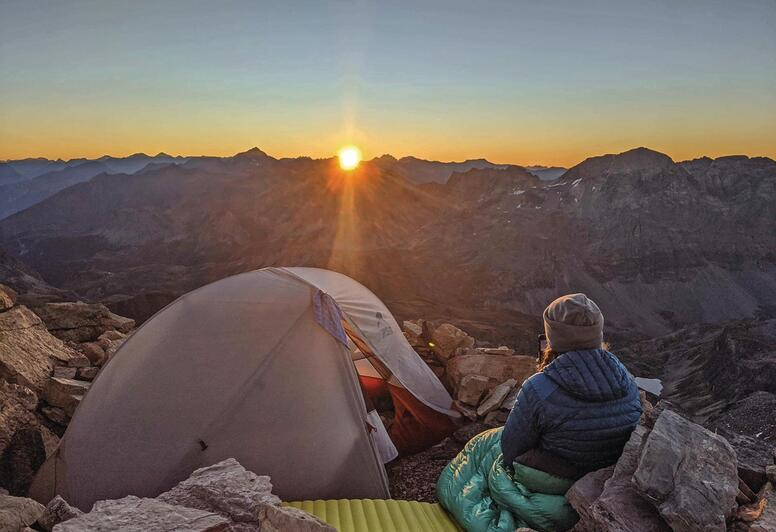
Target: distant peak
[(644, 155), (386, 157), (162, 154), (253, 153), (637, 159)]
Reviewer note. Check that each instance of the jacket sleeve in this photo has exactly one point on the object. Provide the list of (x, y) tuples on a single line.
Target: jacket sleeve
[(521, 432)]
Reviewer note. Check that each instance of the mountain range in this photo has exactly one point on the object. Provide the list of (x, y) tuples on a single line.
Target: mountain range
[(26, 182), (659, 244)]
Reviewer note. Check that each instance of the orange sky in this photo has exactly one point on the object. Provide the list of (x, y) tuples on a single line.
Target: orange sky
[(518, 82)]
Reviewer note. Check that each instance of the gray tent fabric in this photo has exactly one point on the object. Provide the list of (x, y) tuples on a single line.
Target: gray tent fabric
[(238, 368), (379, 329)]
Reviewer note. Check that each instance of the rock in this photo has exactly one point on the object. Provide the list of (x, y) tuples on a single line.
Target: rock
[(55, 414), (57, 511), (447, 338), (27, 351), (586, 491), (282, 519), (112, 336), (472, 388), (7, 298), (23, 395), (22, 449), (497, 418), (412, 328), (621, 508), (225, 488), (689, 473), (496, 368), (50, 440), (503, 350), (18, 512), (64, 372), (509, 401), (766, 521), (496, 397), (753, 455), (133, 514), (88, 374), (770, 471), (467, 411), (94, 352), (65, 393), (81, 322), (109, 346)]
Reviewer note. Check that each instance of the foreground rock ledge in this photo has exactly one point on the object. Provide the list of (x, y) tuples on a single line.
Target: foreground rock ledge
[(224, 496), (132, 514)]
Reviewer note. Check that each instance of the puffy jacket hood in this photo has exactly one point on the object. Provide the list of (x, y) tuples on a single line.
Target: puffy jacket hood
[(590, 375)]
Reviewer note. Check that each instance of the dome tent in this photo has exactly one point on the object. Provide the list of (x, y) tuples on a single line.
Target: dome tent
[(256, 367)]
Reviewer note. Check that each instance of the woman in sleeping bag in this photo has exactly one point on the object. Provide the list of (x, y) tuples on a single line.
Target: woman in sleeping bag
[(572, 417)]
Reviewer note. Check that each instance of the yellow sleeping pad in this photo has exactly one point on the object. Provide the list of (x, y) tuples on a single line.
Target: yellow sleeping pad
[(379, 515)]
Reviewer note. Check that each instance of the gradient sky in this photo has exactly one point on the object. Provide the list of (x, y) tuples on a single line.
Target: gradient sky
[(515, 81)]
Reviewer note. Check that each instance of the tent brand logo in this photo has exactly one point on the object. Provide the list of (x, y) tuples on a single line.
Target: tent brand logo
[(382, 326)]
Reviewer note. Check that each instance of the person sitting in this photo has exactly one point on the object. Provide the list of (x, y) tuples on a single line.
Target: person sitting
[(578, 412), (573, 416)]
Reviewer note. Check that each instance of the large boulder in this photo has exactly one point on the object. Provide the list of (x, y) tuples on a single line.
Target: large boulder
[(689, 473), (586, 491), (22, 448), (447, 338), (243, 498), (28, 352), (133, 514), (496, 368), (16, 513), (225, 488), (81, 322), (621, 507), (7, 298)]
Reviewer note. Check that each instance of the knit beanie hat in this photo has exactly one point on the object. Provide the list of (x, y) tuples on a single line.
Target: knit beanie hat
[(573, 322)]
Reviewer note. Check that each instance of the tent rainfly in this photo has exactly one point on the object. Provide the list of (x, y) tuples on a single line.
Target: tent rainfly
[(273, 367)]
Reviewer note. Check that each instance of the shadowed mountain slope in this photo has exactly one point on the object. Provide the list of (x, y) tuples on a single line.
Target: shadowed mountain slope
[(658, 244)]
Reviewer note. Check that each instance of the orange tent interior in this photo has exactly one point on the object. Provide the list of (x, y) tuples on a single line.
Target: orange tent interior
[(415, 426)]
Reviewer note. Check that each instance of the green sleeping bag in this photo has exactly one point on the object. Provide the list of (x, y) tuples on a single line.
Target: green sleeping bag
[(484, 496)]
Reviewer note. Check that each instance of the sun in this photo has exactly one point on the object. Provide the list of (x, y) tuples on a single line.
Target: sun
[(349, 157)]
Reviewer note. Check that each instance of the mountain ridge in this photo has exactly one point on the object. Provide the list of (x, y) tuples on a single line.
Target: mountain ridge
[(659, 246)]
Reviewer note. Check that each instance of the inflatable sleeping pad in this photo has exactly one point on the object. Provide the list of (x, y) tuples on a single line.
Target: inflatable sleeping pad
[(379, 515)]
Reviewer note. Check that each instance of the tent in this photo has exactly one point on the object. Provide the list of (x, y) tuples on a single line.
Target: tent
[(262, 367)]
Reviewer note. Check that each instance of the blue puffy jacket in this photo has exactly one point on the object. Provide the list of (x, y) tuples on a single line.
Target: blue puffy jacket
[(582, 407)]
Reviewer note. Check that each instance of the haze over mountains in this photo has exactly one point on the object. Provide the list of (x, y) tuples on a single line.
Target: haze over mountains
[(26, 182), (660, 245)]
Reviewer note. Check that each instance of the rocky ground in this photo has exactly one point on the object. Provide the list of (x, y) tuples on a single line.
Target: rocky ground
[(48, 357), (675, 474), (222, 497)]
